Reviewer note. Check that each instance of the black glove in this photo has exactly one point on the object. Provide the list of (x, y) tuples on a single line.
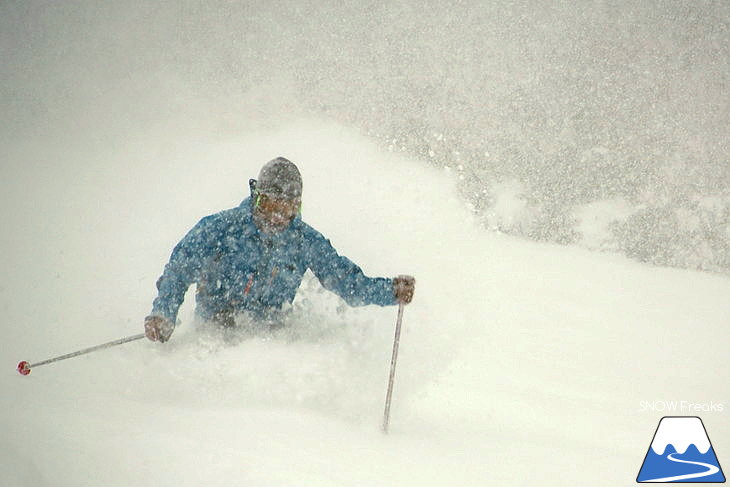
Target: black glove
[(403, 288), (158, 329)]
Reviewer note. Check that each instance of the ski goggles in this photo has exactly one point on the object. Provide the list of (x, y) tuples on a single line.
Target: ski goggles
[(278, 205)]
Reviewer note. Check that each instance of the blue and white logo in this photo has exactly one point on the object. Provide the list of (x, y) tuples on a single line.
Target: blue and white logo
[(681, 452)]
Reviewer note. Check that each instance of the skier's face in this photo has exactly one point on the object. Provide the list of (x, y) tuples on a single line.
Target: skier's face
[(274, 214)]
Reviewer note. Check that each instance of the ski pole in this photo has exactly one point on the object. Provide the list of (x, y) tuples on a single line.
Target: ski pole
[(396, 341), (24, 367)]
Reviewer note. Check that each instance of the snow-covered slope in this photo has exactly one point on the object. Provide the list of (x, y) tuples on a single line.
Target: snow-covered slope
[(521, 364)]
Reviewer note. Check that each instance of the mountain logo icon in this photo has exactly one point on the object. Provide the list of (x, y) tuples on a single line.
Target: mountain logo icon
[(681, 452)]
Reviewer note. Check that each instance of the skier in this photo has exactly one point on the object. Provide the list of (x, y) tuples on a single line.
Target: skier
[(248, 262)]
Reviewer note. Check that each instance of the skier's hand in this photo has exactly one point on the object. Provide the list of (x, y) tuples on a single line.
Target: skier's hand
[(403, 288), (158, 329)]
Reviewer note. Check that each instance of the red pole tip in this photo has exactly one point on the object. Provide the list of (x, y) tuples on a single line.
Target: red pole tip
[(24, 368)]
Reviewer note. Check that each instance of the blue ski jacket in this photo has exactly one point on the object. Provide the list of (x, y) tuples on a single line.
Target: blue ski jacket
[(238, 268)]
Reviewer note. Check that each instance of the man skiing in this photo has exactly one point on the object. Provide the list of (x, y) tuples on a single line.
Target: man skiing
[(249, 262)]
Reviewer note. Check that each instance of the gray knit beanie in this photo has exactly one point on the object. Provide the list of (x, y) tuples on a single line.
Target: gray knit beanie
[(281, 178)]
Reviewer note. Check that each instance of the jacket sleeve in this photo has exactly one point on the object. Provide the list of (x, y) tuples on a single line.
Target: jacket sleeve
[(183, 269), (341, 276)]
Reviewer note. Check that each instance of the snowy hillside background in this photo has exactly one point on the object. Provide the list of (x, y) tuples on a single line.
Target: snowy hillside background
[(602, 122), (420, 130)]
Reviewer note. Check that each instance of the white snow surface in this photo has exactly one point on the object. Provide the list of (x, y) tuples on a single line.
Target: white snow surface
[(520, 363)]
